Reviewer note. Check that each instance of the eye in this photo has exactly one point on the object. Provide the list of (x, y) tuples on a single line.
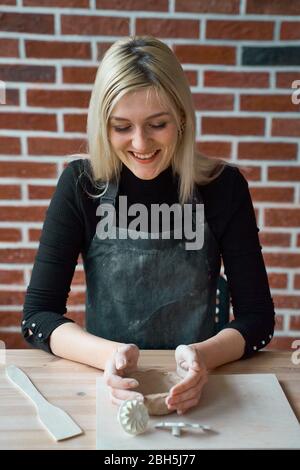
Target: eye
[(159, 126), (121, 129)]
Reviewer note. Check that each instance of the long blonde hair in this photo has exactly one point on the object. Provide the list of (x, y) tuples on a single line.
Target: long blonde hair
[(138, 62)]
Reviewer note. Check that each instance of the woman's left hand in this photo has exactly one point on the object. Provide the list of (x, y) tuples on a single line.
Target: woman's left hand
[(186, 394)]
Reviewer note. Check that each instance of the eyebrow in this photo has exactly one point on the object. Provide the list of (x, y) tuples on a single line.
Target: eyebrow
[(149, 117)]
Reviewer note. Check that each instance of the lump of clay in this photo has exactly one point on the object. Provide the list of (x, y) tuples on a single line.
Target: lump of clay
[(154, 385)]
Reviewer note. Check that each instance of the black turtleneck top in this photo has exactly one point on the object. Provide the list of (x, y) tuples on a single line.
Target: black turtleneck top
[(70, 225)]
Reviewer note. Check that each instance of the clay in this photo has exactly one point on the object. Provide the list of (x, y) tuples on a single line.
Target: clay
[(154, 385)]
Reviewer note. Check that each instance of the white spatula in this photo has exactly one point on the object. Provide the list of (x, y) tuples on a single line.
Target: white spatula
[(57, 422)]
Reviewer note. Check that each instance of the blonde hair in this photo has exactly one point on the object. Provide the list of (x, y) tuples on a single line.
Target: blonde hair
[(134, 63)]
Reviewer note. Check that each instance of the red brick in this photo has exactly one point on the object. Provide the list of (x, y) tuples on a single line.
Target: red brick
[(205, 54), (79, 278), (229, 29), (28, 170), (290, 30), (8, 2), (34, 234), (12, 97), (8, 318), (282, 260), (102, 47), (13, 340), (17, 255), (146, 5), (75, 122), (40, 192), (295, 323), (285, 79), (278, 103), (9, 297), (27, 23), (267, 151), (11, 277), (208, 6), (10, 145), (58, 98), (11, 191), (9, 48), (191, 76), (284, 173), (28, 121), (94, 25), (287, 301), (283, 343), (297, 281), (55, 146), (208, 101), (273, 7), (278, 322), (168, 28), (79, 74), (298, 240), (251, 173), (277, 281), (10, 235), (236, 79), (233, 125), (275, 239), (76, 298), (58, 49), (57, 3), (78, 317), (282, 217), (20, 213), (215, 149), (272, 194), (27, 73), (286, 127)]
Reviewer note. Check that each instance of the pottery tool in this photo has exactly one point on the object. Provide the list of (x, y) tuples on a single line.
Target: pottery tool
[(176, 428), (57, 422)]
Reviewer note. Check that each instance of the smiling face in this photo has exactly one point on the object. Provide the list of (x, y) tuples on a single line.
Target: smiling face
[(143, 133)]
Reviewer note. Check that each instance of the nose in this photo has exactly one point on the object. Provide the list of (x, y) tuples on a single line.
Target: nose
[(140, 140)]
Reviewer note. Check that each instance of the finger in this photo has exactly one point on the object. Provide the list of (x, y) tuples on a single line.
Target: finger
[(190, 394), (126, 395), (187, 405), (120, 360), (191, 379), (115, 381)]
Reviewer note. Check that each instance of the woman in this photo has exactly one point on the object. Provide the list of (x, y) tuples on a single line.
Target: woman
[(145, 290)]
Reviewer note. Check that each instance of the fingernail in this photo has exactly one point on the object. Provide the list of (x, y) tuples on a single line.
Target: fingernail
[(121, 363), (133, 383)]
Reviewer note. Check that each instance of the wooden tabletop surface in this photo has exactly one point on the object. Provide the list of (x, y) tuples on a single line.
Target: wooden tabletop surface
[(72, 387)]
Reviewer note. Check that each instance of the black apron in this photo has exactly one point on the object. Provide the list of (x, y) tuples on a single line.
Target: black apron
[(151, 292)]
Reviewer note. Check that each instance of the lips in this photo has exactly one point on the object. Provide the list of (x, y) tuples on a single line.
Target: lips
[(146, 157)]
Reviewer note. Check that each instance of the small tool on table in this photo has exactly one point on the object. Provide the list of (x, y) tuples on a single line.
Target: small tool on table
[(176, 428), (57, 422)]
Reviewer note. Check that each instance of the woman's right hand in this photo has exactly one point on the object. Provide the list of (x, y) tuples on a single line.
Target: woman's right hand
[(122, 362)]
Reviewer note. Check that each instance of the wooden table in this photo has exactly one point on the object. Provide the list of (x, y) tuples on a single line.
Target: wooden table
[(72, 386)]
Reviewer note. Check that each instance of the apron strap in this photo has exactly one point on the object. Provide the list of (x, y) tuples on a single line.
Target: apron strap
[(109, 197)]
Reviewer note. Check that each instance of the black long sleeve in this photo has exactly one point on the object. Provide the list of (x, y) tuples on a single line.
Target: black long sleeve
[(70, 225)]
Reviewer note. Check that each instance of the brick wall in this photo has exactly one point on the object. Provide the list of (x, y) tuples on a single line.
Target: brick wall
[(240, 56)]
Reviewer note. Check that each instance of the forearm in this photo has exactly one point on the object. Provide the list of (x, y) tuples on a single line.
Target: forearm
[(70, 341), (227, 346)]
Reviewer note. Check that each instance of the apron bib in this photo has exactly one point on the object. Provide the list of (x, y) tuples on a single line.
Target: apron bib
[(151, 292)]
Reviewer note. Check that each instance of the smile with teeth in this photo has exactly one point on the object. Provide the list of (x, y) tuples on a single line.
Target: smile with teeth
[(144, 156)]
